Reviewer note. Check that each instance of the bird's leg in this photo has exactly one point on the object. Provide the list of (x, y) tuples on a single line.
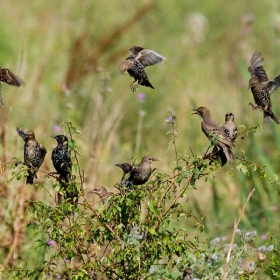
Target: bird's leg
[(132, 86), (135, 86), (255, 107)]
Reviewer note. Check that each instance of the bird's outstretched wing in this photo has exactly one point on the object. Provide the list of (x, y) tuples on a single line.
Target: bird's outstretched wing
[(6, 76), (148, 57), (256, 68), (21, 133), (273, 84)]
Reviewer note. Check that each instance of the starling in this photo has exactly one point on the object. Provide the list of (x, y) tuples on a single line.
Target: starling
[(102, 192), (6, 76), (126, 167), (141, 173), (34, 154), (138, 59), (262, 88), (230, 127), (187, 274), (62, 163), (213, 130)]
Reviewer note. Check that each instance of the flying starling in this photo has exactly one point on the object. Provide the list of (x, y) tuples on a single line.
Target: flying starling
[(102, 192), (213, 130), (141, 173), (229, 127), (6, 76), (138, 59), (126, 167), (34, 154), (62, 163), (262, 88)]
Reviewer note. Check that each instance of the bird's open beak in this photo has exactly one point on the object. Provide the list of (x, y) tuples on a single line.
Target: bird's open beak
[(195, 113), (248, 87)]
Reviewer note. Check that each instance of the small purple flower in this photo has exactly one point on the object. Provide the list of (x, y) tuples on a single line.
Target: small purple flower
[(64, 87), (65, 261), (91, 273), (58, 276), (57, 128), (169, 120), (141, 96), (263, 236), (50, 242)]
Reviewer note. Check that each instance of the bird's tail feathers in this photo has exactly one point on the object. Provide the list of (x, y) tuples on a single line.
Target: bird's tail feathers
[(147, 84), (268, 116)]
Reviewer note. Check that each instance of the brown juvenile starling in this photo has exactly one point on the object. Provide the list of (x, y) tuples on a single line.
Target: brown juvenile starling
[(229, 127), (213, 130), (126, 167), (102, 192), (6, 76), (262, 88), (141, 173), (62, 163), (34, 154), (138, 59)]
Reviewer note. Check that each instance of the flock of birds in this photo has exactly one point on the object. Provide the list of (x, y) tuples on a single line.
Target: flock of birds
[(139, 58)]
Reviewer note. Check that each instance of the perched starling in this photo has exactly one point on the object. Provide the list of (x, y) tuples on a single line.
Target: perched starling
[(141, 173), (212, 129), (126, 167), (230, 127), (102, 192), (6, 76), (34, 154), (62, 163), (138, 59), (262, 88), (187, 274)]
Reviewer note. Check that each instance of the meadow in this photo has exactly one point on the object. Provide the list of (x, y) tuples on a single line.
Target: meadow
[(68, 54)]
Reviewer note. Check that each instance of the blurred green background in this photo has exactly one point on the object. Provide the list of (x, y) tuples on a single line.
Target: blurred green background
[(69, 52)]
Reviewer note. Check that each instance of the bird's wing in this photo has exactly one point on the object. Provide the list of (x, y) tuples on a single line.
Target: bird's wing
[(43, 149), (221, 137), (134, 51), (21, 134), (6, 76), (256, 68), (273, 84), (148, 57)]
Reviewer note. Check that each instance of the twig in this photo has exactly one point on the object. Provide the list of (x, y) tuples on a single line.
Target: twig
[(234, 232)]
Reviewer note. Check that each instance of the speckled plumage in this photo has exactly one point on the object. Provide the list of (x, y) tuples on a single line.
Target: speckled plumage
[(34, 154), (212, 129), (138, 59), (229, 127), (6, 76), (62, 163), (262, 88)]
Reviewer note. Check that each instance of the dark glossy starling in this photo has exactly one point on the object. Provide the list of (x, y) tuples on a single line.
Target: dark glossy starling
[(126, 167), (262, 88), (102, 192), (138, 59), (212, 129), (6, 76), (229, 127), (62, 163), (34, 154), (187, 274), (141, 173)]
